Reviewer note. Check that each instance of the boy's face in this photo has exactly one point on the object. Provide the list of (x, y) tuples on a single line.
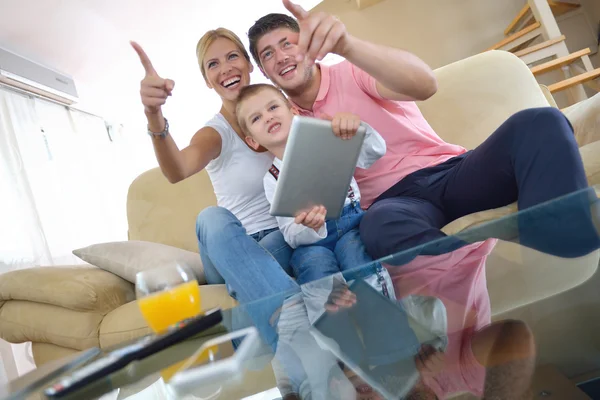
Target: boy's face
[(277, 52), (268, 119)]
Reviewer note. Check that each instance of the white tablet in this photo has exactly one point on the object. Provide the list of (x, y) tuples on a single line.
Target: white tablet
[(317, 168)]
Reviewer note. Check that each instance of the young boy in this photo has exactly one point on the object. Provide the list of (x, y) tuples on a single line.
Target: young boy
[(321, 247)]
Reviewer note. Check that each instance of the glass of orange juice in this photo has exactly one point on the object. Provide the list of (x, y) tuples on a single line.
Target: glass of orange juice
[(167, 295)]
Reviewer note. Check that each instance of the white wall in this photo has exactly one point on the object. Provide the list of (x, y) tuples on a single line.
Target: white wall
[(445, 31), (438, 31), (593, 7)]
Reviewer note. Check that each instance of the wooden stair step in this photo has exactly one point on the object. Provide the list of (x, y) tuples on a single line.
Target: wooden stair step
[(517, 19), (540, 46), (574, 81), (516, 36), (559, 62)]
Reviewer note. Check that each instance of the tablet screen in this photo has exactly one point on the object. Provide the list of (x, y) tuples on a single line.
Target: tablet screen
[(374, 341), (317, 168)]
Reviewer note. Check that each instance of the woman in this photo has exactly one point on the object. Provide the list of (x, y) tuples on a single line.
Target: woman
[(239, 241), (236, 170)]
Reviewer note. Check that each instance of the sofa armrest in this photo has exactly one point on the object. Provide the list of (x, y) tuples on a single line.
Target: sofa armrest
[(585, 118), (548, 95), (78, 288), (590, 154)]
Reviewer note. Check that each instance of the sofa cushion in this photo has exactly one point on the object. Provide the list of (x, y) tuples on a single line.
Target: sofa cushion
[(160, 212), (517, 275), (126, 259), (44, 353), (79, 288), (123, 324), (476, 95), (126, 322), (472, 220), (24, 321), (590, 154)]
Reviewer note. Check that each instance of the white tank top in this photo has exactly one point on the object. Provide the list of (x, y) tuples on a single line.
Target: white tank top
[(237, 178)]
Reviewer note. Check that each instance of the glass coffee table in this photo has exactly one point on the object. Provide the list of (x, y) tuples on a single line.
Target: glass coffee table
[(504, 308)]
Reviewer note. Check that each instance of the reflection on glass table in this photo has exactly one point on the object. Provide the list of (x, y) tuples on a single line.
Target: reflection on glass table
[(482, 353), (430, 324)]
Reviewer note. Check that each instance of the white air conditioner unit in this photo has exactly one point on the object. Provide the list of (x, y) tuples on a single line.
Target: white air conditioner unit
[(21, 73)]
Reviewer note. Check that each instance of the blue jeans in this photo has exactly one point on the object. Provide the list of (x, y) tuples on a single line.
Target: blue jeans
[(251, 271), (271, 239), (341, 250)]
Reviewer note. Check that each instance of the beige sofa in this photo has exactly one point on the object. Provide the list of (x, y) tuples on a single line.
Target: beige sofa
[(62, 310)]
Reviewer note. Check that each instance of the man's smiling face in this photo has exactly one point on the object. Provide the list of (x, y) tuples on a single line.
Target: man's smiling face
[(277, 52)]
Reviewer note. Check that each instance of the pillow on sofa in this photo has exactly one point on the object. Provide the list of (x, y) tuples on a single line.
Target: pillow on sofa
[(126, 259)]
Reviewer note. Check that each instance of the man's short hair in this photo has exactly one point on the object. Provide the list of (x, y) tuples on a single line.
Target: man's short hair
[(265, 25), (250, 91)]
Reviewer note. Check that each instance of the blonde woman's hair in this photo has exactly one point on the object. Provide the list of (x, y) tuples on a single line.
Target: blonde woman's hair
[(209, 38)]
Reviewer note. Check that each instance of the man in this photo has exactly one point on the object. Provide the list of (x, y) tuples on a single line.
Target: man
[(422, 183)]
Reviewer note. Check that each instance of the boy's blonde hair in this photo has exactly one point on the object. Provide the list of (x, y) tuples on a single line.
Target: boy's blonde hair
[(250, 91), (209, 38)]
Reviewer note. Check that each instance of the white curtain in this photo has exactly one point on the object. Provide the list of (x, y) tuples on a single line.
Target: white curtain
[(21, 236), (63, 182)]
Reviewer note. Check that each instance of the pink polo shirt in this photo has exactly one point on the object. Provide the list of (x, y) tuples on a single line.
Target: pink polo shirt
[(411, 142), (458, 280)]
